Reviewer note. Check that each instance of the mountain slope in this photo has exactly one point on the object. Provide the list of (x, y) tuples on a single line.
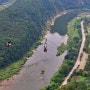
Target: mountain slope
[(24, 21)]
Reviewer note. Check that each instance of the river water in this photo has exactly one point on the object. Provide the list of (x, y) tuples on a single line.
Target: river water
[(31, 78)]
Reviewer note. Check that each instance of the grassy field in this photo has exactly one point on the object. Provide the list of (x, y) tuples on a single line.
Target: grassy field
[(73, 29)]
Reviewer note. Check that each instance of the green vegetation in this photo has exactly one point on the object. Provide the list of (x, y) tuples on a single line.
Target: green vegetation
[(25, 21), (87, 43), (80, 79), (42, 72), (14, 68), (61, 23), (74, 42), (61, 49), (75, 86)]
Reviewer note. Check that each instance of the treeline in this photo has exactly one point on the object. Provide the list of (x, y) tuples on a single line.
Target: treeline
[(24, 22), (61, 49), (76, 85), (87, 42), (80, 79)]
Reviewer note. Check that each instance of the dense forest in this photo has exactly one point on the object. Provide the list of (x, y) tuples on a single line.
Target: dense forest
[(24, 23), (73, 45)]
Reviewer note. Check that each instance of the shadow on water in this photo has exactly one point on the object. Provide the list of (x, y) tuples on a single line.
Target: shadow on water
[(61, 23)]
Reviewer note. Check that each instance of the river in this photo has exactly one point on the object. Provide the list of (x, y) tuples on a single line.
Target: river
[(30, 77)]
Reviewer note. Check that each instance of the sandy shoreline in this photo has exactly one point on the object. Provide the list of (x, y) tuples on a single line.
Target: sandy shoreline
[(6, 5), (8, 82)]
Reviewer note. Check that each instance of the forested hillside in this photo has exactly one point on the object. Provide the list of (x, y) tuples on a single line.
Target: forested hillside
[(22, 25), (75, 4), (80, 79)]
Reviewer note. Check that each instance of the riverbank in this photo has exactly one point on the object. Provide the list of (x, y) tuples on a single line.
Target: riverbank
[(64, 69), (39, 61), (8, 82), (78, 58), (7, 4), (54, 18), (51, 22), (81, 76), (15, 77)]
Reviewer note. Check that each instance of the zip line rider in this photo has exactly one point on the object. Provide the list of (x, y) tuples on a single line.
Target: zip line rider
[(45, 46)]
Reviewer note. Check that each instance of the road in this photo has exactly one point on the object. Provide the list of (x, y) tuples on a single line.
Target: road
[(78, 58)]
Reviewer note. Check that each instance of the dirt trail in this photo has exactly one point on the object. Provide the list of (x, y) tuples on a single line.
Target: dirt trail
[(83, 61), (78, 58)]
